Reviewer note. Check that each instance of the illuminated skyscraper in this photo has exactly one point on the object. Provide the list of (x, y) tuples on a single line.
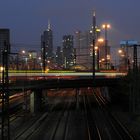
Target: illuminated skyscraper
[(68, 51), (47, 44), (83, 44), (83, 49)]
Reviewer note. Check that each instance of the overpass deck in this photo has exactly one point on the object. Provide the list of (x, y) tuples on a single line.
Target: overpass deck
[(62, 80)]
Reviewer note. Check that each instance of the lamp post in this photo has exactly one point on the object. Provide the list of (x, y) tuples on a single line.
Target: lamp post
[(25, 67), (122, 54), (106, 27), (23, 52), (39, 62)]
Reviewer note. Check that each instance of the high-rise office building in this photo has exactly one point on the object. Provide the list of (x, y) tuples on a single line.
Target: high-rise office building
[(83, 49), (4, 41), (59, 57), (47, 44), (68, 51), (84, 46)]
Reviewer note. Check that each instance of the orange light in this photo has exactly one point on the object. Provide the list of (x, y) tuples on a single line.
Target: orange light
[(120, 51), (108, 57), (106, 26), (103, 59), (1, 69), (100, 40), (103, 25), (96, 47)]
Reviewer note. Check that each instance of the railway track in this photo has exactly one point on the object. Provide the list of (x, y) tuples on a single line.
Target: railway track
[(63, 121), (54, 117), (115, 128), (61, 124), (34, 124), (92, 129)]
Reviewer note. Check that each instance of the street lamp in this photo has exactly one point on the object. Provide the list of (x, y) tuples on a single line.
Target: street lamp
[(120, 51), (39, 62), (100, 40), (106, 26), (23, 55), (1, 72), (1, 69), (23, 51)]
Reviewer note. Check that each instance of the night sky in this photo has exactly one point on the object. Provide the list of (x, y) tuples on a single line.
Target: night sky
[(27, 19)]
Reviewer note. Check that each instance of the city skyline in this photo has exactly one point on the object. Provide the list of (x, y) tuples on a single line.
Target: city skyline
[(27, 19)]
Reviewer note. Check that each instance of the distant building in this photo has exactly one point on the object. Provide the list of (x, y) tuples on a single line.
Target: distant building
[(32, 54), (47, 45), (4, 41), (84, 45), (83, 49), (32, 60), (59, 57), (68, 51), (29, 60), (127, 54)]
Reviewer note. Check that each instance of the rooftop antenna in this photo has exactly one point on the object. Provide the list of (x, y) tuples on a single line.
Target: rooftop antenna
[(49, 25)]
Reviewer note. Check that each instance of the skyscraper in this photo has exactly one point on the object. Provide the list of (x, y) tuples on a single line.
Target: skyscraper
[(84, 45), (68, 51), (59, 57), (47, 44), (4, 41), (83, 49)]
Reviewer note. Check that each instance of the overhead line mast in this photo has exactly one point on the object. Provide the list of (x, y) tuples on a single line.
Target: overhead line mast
[(93, 41)]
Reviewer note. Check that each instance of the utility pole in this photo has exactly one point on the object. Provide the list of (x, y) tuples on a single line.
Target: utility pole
[(5, 131), (93, 43), (135, 65), (17, 62), (98, 66), (135, 83), (136, 79)]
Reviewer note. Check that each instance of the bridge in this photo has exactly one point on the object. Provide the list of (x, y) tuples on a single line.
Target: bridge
[(37, 82), (61, 79)]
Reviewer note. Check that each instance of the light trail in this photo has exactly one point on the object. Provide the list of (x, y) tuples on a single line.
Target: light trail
[(63, 74)]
